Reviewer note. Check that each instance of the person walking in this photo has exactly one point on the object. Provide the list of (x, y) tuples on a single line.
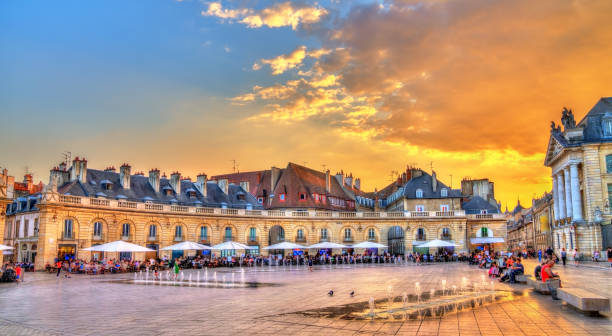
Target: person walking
[(576, 256), (58, 264), (310, 264), (564, 256), (549, 252), (540, 256), (176, 269)]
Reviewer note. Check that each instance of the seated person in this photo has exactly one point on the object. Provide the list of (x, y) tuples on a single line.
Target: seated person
[(494, 270), (517, 268), (537, 271), (547, 275)]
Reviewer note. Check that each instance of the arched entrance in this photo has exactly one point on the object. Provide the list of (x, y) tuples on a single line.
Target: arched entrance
[(276, 235), (395, 238)]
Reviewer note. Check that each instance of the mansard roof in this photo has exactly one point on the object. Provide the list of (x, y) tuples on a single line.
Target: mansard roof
[(590, 130), (476, 203), (424, 182), (141, 190)]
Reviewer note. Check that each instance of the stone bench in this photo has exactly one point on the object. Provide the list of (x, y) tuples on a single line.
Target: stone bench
[(522, 278), (542, 287), (584, 300)]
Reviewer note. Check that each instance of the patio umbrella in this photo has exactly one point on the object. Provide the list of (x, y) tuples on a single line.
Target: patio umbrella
[(327, 245), (119, 246), (438, 243), (4, 247), (230, 245), (367, 245), (284, 246), (186, 245)]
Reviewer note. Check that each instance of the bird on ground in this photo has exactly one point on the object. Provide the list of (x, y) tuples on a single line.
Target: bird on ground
[(331, 292), (352, 293)]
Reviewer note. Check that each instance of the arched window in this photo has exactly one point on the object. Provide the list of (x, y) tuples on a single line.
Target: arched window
[(446, 234), (125, 231), (97, 229), (444, 192), (178, 232), (228, 233), (324, 235), (203, 233), (348, 234), (420, 234), (300, 234), (419, 193), (371, 234), (152, 231), (68, 227), (484, 232)]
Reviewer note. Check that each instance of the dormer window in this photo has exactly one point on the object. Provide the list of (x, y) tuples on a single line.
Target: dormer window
[(419, 193), (281, 197), (302, 196), (606, 125), (260, 200), (444, 192)]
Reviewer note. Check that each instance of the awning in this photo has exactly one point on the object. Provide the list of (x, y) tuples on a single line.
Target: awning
[(7, 252), (486, 240)]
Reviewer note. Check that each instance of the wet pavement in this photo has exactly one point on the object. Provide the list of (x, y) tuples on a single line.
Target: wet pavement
[(99, 305)]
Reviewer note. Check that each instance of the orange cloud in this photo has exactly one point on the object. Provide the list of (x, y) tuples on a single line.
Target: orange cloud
[(286, 14)]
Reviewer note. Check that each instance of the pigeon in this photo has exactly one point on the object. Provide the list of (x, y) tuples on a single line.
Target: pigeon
[(330, 293), (352, 293)]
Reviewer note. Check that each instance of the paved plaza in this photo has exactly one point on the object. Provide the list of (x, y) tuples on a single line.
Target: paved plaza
[(91, 305)]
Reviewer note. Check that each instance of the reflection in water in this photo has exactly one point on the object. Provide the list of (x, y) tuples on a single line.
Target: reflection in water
[(434, 303)]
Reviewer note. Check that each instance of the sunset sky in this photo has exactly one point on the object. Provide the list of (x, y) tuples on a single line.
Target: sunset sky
[(466, 86)]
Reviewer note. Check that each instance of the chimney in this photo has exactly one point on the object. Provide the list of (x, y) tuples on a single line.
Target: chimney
[(348, 181), (154, 179), (124, 175), (223, 184), (434, 181), (201, 184), (340, 177), (110, 169), (83, 171), (175, 182), (75, 172), (55, 177), (274, 176), (327, 181), (358, 183), (62, 166)]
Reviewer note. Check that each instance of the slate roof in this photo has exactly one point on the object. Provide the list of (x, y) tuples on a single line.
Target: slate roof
[(140, 190), (423, 182), (476, 203), (592, 121)]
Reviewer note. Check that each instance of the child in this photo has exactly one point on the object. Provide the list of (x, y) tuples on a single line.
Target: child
[(18, 272), (494, 270)]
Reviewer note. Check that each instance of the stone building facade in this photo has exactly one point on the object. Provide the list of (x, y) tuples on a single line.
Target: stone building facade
[(580, 158), (82, 207)]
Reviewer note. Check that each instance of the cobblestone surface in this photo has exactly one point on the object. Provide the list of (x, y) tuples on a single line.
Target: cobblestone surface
[(89, 305)]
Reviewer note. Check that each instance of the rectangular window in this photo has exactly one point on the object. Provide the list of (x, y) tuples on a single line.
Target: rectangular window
[(444, 208), (203, 233), (323, 199), (68, 228), (419, 208), (302, 196), (252, 234), (610, 195), (260, 200), (281, 197)]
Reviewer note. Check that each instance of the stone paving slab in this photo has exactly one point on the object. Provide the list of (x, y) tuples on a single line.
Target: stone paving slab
[(90, 305)]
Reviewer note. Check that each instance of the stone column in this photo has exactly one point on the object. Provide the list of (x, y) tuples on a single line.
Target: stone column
[(555, 193), (568, 193), (576, 196), (561, 189)]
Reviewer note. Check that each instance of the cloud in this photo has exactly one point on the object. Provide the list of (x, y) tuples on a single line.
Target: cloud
[(456, 75), (285, 14), (216, 9), (294, 59)]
